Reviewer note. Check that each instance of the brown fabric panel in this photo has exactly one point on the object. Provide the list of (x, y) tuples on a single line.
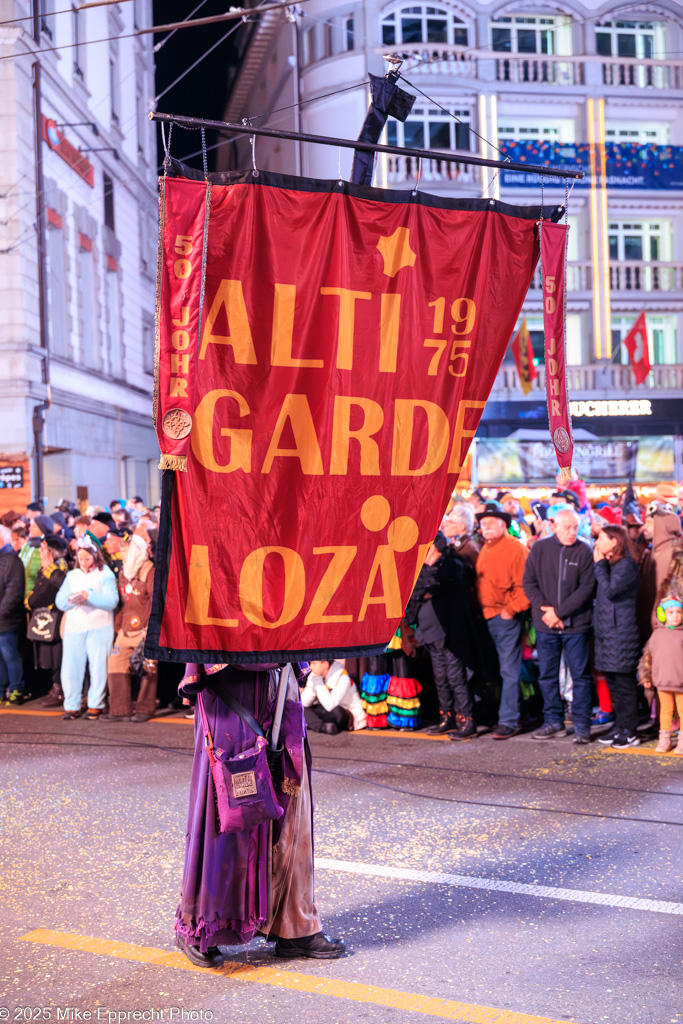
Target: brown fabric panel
[(293, 913)]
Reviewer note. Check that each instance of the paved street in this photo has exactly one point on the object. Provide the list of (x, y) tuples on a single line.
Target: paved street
[(508, 883)]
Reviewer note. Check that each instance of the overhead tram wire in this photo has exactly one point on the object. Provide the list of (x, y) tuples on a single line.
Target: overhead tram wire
[(198, 61), (242, 14), (162, 42)]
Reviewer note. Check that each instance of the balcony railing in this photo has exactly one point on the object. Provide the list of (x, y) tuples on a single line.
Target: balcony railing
[(632, 276), (607, 379), (543, 70), (539, 69), (643, 74), (624, 276), (405, 170)]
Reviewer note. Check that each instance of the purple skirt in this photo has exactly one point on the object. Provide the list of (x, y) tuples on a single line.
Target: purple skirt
[(224, 899)]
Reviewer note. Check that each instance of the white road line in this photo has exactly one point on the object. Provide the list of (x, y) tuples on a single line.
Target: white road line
[(549, 892)]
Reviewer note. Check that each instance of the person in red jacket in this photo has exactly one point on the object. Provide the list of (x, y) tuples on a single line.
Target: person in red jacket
[(500, 568)]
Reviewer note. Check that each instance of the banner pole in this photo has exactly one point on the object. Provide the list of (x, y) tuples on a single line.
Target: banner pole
[(227, 127), (282, 685)]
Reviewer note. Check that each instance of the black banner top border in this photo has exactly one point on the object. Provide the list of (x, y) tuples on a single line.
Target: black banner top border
[(410, 197)]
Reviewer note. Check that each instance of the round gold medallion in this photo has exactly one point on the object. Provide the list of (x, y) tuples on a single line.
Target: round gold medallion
[(177, 423)]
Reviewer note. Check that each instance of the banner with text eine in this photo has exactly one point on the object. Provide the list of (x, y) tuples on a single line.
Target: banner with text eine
[(324, 356)]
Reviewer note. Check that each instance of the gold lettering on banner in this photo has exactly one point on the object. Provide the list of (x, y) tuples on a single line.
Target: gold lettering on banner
[(177, 387), (342, 435), (388, 332), (182, 269), (463, 312), (456, 461), (183, 245), (296, 410), (230, 298), (180, 364), (342, 558), (439, 307), (184, 318), (402, 535), (202, 434), (180, 340), (347, 319), (199, 590), (404, 428), (283, 329), (251, 586)]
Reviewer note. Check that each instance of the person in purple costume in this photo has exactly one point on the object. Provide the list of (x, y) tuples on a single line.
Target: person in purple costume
[(258, 881)]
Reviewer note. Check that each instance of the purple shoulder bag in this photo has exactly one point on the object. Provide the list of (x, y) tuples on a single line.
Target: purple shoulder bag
[(244, 787)]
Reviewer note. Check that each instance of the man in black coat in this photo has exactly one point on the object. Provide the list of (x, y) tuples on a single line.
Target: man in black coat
[(12, 620), (441, 606), (559, 580)]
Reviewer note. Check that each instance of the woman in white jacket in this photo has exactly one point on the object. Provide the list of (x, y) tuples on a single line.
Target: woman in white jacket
[(331, 699), (88, 596)]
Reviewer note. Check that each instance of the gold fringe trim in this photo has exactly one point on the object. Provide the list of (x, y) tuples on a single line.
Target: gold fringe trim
[(290, 788), (566, 473), (157, 307), (176, 462)]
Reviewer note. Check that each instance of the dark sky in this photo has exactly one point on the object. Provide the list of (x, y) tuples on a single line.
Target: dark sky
[(203, 92)]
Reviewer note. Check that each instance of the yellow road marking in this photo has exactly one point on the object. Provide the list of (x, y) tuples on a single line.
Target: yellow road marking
[(413, 734), (23, 711), (648, 751), (444, 1009)]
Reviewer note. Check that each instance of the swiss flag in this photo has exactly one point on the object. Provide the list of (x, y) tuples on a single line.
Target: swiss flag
[(636, 343)]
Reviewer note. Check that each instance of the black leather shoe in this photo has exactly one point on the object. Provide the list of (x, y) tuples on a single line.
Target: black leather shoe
[(114, 718), (212, 958), (139, 717), (446, 723), (317, 947)]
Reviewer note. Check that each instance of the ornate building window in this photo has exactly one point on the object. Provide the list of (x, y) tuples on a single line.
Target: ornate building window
[(422, 24)]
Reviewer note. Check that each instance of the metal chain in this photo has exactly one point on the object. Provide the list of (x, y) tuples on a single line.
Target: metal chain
[(204, 160)]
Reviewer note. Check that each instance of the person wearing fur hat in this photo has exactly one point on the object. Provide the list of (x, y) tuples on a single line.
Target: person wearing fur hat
[(661, 666), (500, 569), (136, 582), (664, 529)]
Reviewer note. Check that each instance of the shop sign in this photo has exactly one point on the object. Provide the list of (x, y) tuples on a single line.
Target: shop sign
[(507, 461), (612, 407), (11, 477), (69, 154), (627, 164)]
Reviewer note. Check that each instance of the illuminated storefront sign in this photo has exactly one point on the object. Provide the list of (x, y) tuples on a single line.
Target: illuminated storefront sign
[(612, 407)]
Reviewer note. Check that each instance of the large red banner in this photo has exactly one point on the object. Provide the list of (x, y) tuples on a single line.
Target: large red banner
[(348, 340)]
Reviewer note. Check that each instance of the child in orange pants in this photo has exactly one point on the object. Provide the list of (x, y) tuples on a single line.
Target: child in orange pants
[(662, 666)]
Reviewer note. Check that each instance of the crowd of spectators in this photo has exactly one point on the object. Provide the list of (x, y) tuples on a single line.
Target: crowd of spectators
[(580, 604), (75, 599), (560, 618)]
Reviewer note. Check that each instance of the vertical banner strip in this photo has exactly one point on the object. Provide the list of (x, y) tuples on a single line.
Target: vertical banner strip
[(182, 271), (553, 264)]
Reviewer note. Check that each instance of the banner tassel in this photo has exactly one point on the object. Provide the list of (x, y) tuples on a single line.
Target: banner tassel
[(566, 473), (176, 462)]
